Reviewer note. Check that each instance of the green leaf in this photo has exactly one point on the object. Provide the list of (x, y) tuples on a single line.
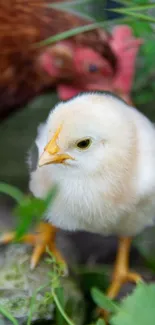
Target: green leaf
[(26, 211), (100, 322), (149, 53), (12, 191), (103, 301), (141, 28), (144, 96), (138, 308), (31, 209), (94, 276)]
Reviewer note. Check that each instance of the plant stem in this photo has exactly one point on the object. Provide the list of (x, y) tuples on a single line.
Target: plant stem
[(33, 298), (67, 319)]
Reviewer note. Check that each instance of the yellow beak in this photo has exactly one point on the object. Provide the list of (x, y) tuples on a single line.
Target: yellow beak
[(52, 154), (47, 158)]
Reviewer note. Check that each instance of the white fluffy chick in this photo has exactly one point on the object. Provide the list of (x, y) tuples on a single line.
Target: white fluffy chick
[(101, 154)]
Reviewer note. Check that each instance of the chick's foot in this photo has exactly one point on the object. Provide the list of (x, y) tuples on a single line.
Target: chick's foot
[(42, 239), (122, 273)]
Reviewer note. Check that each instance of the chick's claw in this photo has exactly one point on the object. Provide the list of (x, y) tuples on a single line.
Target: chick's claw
[(121, 279), (114, 289), (43, 239)]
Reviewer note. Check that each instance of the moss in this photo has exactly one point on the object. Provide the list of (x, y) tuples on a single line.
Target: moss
[(18, 303), (18, 283), (12, 276)]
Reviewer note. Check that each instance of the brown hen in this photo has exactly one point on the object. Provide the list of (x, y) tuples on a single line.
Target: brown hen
[(22, 24)]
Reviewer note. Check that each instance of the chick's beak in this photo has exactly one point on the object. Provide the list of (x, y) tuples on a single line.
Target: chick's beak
[(52, 155)]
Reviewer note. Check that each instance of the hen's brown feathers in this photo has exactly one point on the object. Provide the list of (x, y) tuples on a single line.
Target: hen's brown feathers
[(22, 24)]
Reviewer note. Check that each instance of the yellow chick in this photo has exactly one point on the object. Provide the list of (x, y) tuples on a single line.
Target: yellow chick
[(101, 154)]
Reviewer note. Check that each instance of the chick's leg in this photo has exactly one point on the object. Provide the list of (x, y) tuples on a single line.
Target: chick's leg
[(122, 273), (41, 240)]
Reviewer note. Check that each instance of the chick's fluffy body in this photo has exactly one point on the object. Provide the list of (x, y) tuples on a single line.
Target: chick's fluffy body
[(110, 187)]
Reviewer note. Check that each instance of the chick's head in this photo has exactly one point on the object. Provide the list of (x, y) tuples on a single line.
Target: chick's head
[(87, 134)]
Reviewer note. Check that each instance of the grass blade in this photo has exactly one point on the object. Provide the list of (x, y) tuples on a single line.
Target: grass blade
[(12, 191), (60, 294), (60, 308), (137, 8), (133, 14), (70, 33), (5, 313)]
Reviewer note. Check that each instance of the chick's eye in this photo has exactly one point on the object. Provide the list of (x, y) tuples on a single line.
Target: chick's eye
[(83, 144)]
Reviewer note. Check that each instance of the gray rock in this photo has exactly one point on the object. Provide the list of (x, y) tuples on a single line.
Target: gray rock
[(18, 284)]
